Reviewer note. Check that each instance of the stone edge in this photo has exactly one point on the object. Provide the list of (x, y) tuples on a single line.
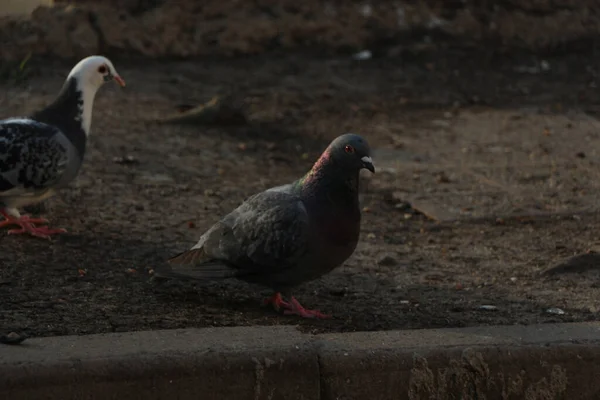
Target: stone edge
[(537, 361)]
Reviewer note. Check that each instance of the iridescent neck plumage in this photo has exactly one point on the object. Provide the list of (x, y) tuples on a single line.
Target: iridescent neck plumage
[(326, 173), (317, 170)]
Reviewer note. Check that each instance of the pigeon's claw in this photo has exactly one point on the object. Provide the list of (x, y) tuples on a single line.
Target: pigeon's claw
[(38, 231), (293, 307), (8, 221), (28, 225)]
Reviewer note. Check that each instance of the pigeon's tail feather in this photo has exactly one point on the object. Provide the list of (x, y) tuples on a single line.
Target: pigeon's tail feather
[(192, 256), (195, 264), (199, 272)]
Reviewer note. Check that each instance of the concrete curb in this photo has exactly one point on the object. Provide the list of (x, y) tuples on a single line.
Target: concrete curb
[(503, 362)]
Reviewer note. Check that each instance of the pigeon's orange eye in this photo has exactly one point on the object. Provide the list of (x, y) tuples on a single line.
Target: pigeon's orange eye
[(349, 149), (102, 69)]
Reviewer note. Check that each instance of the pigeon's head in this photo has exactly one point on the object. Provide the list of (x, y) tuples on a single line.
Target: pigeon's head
[(94, 71), (352, 152)]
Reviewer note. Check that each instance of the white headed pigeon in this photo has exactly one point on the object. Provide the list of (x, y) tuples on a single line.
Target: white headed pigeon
[(288, 234), (44, 151)]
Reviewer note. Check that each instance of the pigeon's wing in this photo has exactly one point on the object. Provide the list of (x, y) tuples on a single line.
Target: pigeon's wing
[(267, 233), (32, 157), (270, 232)]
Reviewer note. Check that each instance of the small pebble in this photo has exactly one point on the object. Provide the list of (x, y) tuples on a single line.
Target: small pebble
[(363, 55), (366, 10), (402, 206), (513, 279), (442, 178), (404, 302), (125, 160), (387, 260), (555, 311), (488, 308), (12, 338), (440, 123)]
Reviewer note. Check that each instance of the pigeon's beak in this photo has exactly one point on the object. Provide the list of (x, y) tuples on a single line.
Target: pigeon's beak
[(119, 80), (368, 163)]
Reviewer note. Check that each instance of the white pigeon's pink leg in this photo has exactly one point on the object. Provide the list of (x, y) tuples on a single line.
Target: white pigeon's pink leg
[(293, 307), (27, 225)]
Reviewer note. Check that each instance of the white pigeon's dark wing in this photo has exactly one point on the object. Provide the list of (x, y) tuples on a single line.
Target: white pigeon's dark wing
[(32, 157)]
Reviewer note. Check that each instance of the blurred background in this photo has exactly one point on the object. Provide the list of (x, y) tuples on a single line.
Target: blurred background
[(187, 28)]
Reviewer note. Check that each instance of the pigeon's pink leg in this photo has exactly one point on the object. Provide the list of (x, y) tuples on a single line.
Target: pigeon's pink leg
[(277, 302), (294, 307), (27, 225)]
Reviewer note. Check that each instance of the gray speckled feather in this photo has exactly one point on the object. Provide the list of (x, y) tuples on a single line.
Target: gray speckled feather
[(36, 158), (33, 157), (289, 234), (44, 152)]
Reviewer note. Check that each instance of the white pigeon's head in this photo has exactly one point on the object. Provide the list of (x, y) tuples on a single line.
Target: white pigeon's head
[(92, 72)]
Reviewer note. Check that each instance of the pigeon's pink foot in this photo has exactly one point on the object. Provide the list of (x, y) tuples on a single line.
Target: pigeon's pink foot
[(10, 220), (277, 301), (293, 307), (38, 231), (27, 225)]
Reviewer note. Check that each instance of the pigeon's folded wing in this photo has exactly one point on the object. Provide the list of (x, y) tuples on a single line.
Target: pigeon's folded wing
[(270, 232), (266, 234), (31, 157)]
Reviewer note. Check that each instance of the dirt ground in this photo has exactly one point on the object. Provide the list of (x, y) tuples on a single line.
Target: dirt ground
[(468, 137)]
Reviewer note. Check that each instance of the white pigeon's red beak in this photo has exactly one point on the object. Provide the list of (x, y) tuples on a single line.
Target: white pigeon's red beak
[(119, 80)]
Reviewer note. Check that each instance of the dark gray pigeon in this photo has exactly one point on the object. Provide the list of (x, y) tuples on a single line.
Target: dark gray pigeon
[(43, 152), (288, 234)]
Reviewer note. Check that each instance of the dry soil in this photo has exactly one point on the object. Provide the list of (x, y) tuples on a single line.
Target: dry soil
[(486, 186)]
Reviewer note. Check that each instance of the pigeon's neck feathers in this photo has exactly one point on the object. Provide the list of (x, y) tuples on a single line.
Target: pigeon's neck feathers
[(317, 172), (327, 175), (71, 111), (74, 102), (86, 90), (330, 194)]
